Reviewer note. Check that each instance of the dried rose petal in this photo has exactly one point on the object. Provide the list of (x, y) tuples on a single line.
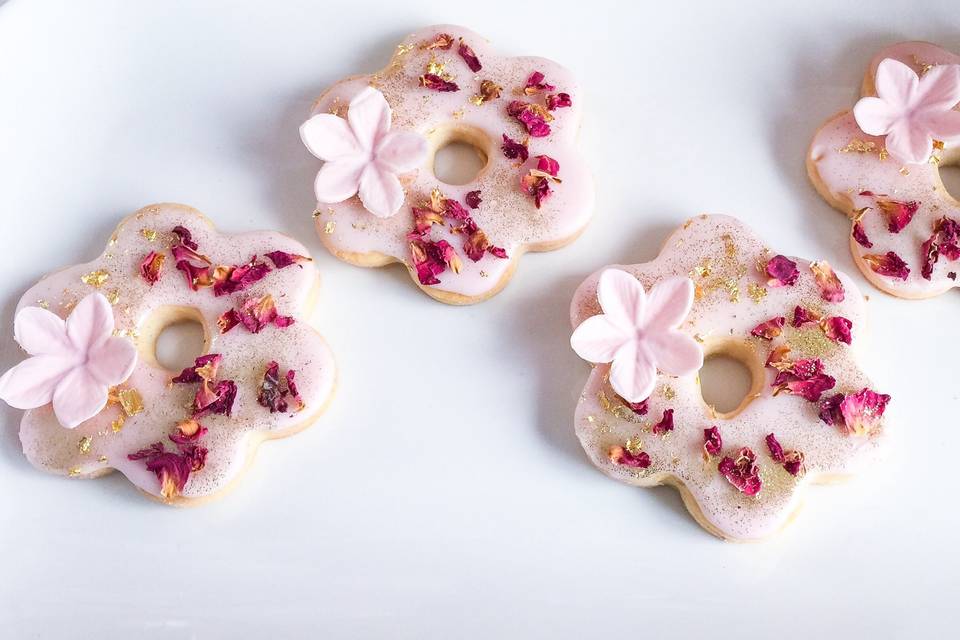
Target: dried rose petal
[(151, 267), (743, 473), (489, 90), (214, 399), (188, 432), (436, 83), (776, 449), (837, 328), (712, 442), (535, 84), (899, 214), (831, 289), (469, 56), (430, 259), (944, 241), (173, 469), (804, 378), (802, 316), (196, 276), (665, 424), (204, 368), (537, 186), (860, 235), (778, 356), (228, 320), (513, 149), (770, 329), (281, 259), (185, 237), (423, 219), (473, 199), (270, 394), (256, 313), (559, 100), (889, 264), (440, 41), (783, 271), (292, 388), (548, 165), (812, 388), (830, 409), (793, 463), (619, 455), (639, 408), (532, 116), (453, 209), (233, 279), (862, 412)]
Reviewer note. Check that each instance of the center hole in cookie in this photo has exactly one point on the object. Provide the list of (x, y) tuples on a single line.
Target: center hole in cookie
[(179, 344), (950, 176), (458, 162), (732, 375)]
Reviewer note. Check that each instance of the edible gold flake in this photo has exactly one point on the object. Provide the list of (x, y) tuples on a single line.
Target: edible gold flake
[(756, 292), (149, 234), (904, 171), (43, 304), (403, 48), (337, 107), (84, 444), (73, 472), (330, 226), (590, 419), (102, 459), (484, 274), (359, 226), (859, 213), (634, 445), (617, 409), (859, 146), (114, 296), (458, 114), (668, 392), (317, 213), (729, 246), (884, 154), (96, 279), (704, 270), (117, 425), (131, 401), (922, 65)]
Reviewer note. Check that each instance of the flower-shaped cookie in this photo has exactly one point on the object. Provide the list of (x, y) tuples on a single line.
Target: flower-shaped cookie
[(810, 416), (179, 436), (879, 164), (379, 133)]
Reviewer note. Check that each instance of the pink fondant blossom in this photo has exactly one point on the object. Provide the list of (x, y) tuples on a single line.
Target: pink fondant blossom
[(362, 155), (638, 333), (912, 111), (73, 362)]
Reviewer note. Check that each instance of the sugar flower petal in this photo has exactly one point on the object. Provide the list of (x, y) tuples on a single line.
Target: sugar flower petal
[(31, 383), (337, 181), (908, 143), (874, 116), (633, 374), (380, 191), (669, 302), (78, 397), (112, 361), (90, 322), (40, 331), (896, 82), (598, 339), (676, 353), (939, 88), (329, 137), (621, 297), (401, 151), (369, 117)]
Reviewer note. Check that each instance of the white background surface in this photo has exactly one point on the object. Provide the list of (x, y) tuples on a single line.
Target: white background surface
[(444, 494)]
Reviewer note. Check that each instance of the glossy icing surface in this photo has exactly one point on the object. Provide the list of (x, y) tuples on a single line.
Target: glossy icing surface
[(100, 444), (721, 256), (507, 214), (846, 162)]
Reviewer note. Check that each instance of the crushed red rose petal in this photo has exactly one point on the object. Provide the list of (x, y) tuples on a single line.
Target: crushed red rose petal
[(255, 314), (533, 116), (860, 235), (831, 289), (837, 328), (776, 449), (212, 398), (236, 278), (945, 241), (282, 259), (204, 368), (185, 237), (537, 181), (899, 214), (151, 267), (274, 390), (712, 442), (888, 264), (436, 83), (535, 84), (440, 41), (804, 378), (855, 413), (665, 424), (514, 150), (228, 320), (783, 271), (557, 101), (621, 456), (743, 473), (802, 316), (473, 199), (770, 329), (469, 56), (173, 468), (639, 408)]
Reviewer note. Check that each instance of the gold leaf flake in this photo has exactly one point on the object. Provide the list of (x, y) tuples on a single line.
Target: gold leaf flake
[(904, 171), (114, 296), (458, 114), (634, 445), (73, 472), (43, 304), (330, 226), (859, 146), (668, 392), (117, 425), (84, 444), (102, 459), (149, 234), (756, 292), (704, 269), (96, 279), (131, 401)]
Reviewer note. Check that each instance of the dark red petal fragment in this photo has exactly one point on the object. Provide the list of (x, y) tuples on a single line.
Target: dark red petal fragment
[(440, 41), (783, 271), (944, 241), (436, 83), (513, 149), (473, 198), (899, 214), (776, 449), (548, 165), (269, 394), (743, 473), (830, 409), (804, 378), (639, 408), (860, 235), (469, 56), (861, 412), (665, 424), (214, 399), (889, 264), (620, 455), (770, 329), (837, 328), (802, 316), (151, 267), (533, 116), (228, 320), (831, 289), (793, 463), (281, 259), (712, 442), (173, 469), (233, 279), (185, 238), (535, 84), (204, 368), (559, 100)]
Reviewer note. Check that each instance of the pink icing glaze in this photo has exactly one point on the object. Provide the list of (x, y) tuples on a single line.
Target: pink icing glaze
[(362, 155), (507, 214), (638, 333), (845, 162), (73, 363), (230, 440), (721, 255)]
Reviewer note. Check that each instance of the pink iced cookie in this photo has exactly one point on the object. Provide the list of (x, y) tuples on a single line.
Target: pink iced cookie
[(879, 164), (98, 400), (797, 326), (379, 200)]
